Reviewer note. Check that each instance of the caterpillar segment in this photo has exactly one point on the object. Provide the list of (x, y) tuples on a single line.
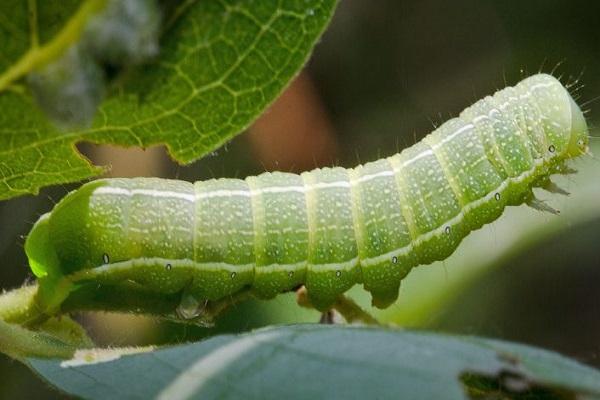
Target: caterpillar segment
[(327, 229)]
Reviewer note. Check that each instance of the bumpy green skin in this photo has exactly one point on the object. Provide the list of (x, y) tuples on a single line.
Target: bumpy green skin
[(327, 229)]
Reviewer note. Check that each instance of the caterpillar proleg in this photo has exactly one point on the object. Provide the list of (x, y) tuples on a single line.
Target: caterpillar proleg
[(327, 229)]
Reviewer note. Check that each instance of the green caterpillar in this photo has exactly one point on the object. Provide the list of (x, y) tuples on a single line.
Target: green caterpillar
[(327, 229)]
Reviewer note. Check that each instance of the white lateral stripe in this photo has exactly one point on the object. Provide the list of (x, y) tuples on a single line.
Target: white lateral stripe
[(266, 269), (340, 266), (216, 266)]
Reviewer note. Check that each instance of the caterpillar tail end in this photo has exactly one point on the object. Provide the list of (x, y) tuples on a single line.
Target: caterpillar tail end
[(43, 261)]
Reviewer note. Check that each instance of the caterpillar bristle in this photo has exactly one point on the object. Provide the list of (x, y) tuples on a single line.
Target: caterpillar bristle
[(590, 101)]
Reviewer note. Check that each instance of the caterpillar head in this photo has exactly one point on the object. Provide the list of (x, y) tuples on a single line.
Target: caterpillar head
[(579, 140), (58, 243), (561, 119)]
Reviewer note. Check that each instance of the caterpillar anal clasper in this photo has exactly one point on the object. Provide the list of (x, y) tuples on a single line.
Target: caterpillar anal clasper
[(327, 229)]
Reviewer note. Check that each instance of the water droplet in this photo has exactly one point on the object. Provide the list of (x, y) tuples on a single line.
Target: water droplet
[(395, 260), (551, 149), (233, 274), (168, 267), (447, 230), (497, 196), (105, 258), (338, 273)]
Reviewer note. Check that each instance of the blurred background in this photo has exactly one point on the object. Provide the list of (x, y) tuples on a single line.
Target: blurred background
[(384, 74)]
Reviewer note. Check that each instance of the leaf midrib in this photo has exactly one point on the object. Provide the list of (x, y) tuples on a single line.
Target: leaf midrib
[(37, 57)]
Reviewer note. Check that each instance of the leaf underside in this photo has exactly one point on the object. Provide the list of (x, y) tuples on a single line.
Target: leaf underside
[(221, 63), (316, 361)]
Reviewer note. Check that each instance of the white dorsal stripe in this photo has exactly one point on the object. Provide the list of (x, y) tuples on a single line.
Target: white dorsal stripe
[(146, 192), (111, 190), (299, 189)]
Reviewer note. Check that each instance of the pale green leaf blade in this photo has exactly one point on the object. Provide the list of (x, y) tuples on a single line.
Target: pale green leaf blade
[(316, 361)]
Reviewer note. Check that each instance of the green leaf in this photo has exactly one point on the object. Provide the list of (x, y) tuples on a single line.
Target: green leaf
[(221, 63), (317, 361)]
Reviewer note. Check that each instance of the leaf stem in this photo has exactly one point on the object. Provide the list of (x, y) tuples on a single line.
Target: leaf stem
[(55, 337), (18, 305), (19, 342), (38, 56), (352, 312)]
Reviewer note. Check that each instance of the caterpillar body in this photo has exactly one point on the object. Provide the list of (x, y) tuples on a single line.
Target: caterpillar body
[(327, 229)]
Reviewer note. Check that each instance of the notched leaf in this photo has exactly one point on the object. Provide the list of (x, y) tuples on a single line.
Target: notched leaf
[(70, 88), (329, 361), (509, 382), (509, 385), (219, 65)]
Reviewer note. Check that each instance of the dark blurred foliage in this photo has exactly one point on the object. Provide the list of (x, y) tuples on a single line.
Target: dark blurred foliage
[(384, 74), (546, 296)]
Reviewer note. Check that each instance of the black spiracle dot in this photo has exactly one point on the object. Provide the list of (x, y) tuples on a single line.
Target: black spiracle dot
[(551, 148), (168, 267), (497, 196), (338, 273), (105, 258), (447, 230), (394, 260), (233, 274)]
